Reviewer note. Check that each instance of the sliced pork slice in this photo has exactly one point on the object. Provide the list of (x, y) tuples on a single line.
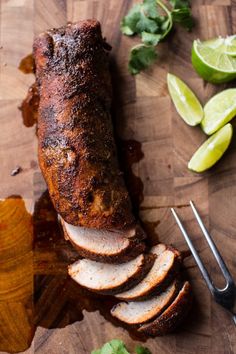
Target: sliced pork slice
[(107, 278), (142, 311), (105, 246), (161, 274), (172, 316)]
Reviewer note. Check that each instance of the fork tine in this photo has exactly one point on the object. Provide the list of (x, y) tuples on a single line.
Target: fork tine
[(194, 253), (212, 245)]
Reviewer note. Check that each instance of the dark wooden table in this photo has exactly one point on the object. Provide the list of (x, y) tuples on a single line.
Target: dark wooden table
[(33, 284)]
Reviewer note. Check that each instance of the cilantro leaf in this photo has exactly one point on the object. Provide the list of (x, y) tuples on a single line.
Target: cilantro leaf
[(179, 4), (142, 350), (183, 17), (150, 38), (125, 28), (146, 24), (141, 57), (115, 346), (118, 347), (149, 7), (140, 18), (129, 22)]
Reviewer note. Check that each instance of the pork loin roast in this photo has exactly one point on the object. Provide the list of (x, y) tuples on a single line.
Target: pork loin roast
[(78, 158), (77, 152)]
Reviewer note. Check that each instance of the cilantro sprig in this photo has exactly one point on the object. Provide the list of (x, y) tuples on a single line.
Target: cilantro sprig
[(117, 346), (152, 20)]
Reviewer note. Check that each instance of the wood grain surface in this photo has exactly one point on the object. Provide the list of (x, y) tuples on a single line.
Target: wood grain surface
[(34, 290)]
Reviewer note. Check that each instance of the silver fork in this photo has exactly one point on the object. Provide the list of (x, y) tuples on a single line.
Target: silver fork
[(226, 296)]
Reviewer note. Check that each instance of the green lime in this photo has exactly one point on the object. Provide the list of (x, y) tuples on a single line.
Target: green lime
[(211, 61), (211, 150), (219, 110), (186, 103)]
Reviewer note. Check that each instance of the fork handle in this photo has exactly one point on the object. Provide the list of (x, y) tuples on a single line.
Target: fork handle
[(234, 318)]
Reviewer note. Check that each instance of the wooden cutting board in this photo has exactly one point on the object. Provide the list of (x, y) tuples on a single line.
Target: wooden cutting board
[(34, 291)]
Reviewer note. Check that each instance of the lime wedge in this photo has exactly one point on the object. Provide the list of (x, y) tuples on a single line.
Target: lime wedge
[(186, 103), (211, 61), (219, 110), (211, 150)]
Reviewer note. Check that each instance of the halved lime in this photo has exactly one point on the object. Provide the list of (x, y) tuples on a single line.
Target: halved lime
[(219, 110), (185, 101), (211, 61), (211, 150)]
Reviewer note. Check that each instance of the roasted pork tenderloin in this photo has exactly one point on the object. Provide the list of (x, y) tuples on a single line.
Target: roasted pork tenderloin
[(77, 152), (78, 158)]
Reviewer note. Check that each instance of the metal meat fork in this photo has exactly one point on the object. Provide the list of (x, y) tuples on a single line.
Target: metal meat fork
[(226, 296)]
